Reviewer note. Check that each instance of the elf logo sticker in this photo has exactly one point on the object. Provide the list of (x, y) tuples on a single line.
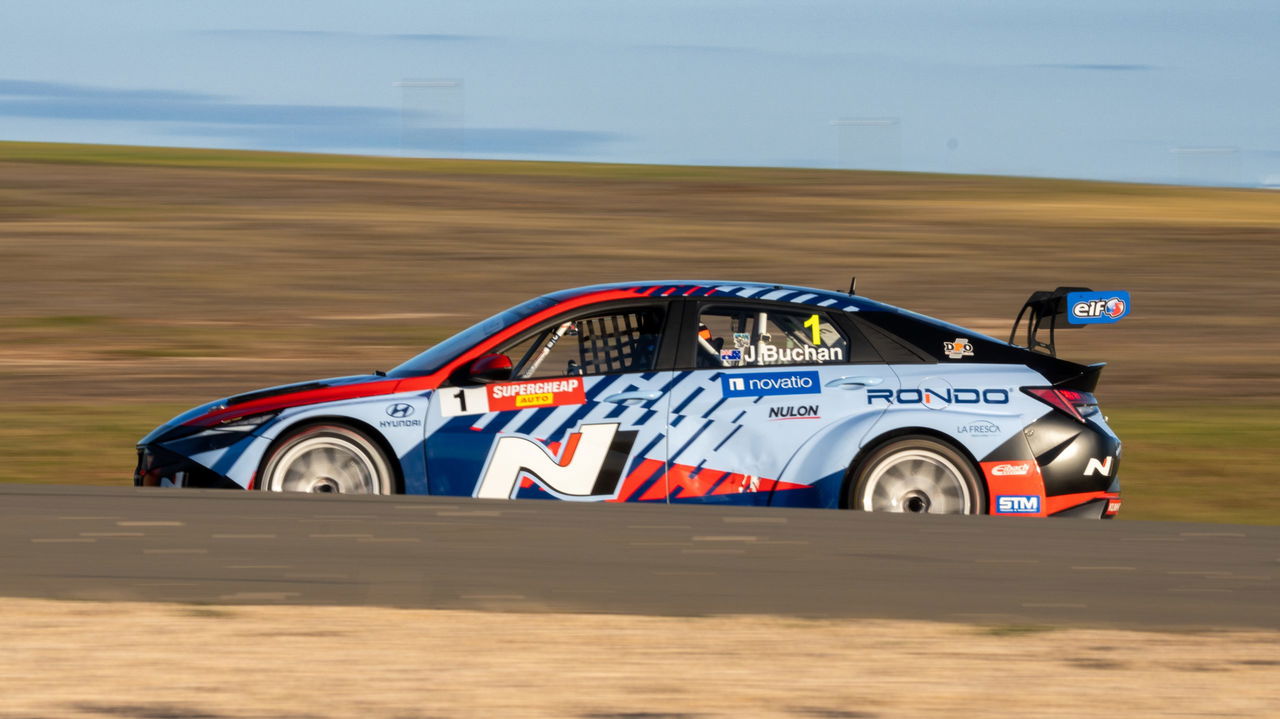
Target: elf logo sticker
[(764, 384), (589, 466), (1086, 308)]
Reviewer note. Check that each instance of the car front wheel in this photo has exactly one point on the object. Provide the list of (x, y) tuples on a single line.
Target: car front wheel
[(327, 459), (916, 474)]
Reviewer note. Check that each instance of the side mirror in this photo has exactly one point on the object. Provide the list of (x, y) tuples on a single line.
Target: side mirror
[(489, 368)]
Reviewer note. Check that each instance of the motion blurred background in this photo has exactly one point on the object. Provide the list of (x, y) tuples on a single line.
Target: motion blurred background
[(199, 199), (1145, 90), (137, 281)]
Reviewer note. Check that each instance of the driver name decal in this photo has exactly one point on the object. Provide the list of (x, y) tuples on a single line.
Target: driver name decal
[(590, 464), (507, 396), (768, 354)]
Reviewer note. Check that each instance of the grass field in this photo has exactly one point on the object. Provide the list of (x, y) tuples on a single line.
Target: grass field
[(137, 281)]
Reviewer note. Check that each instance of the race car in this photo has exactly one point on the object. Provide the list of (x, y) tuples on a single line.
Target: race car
[(688, 392)]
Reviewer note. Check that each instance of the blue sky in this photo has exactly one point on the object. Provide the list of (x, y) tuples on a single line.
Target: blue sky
[(1163, 91)]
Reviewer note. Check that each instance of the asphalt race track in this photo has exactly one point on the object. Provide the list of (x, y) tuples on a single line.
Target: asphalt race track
[(228, 547)]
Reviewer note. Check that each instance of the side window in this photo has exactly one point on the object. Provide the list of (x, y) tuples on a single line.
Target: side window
[(746, 336), (623, 340)]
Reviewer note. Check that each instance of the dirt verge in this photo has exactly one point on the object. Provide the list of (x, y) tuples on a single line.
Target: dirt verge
[(87, 659)]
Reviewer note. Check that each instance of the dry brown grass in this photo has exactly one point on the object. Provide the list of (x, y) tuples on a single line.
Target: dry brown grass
[(84, 659)]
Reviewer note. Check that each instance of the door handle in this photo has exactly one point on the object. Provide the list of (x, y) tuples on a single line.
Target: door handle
[(638, 395), (854, 382)]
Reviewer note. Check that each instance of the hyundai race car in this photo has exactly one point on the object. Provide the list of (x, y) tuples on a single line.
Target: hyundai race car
[(689, 392)]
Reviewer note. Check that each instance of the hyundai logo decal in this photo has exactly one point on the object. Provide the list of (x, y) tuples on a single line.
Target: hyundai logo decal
[(400, 410)]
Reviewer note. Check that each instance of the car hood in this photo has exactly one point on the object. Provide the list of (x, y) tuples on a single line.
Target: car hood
[(268, 400)]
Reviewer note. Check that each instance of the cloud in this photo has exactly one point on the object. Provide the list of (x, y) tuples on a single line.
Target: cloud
[(715, 50), (60, 101), (31, 88), (182, 111), (274, 126), (342, 35), (382, 138), (1098, 67)]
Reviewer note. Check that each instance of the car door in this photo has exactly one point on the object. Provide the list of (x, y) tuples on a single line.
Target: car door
[(582, 418), (773, 398)]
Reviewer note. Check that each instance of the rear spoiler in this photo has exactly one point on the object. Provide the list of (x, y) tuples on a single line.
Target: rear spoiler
[(1086, 381), (1045, 306)]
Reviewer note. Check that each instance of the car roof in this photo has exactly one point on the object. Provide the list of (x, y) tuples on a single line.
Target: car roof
[(745, 290)]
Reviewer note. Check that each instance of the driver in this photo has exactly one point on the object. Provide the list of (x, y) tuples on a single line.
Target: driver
[(709, 348)]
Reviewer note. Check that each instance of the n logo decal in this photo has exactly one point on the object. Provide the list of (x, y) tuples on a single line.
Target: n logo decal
[(1096, 466), (591, 464)]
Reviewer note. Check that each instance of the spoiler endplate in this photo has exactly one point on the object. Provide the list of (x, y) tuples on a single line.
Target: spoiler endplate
[(1050, 305)]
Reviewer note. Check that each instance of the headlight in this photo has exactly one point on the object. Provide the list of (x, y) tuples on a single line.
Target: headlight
[(247, 423)]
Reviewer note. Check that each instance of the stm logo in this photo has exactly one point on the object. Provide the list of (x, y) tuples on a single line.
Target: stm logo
[(400, 410), (1017, 504)]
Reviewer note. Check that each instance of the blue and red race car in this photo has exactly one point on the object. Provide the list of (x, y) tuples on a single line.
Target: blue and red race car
[(690, 392)]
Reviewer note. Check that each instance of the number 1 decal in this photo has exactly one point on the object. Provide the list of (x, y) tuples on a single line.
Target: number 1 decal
[(466, 400), (815, 325)]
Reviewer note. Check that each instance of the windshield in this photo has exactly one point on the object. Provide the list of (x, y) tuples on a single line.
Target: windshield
[(439, 355)]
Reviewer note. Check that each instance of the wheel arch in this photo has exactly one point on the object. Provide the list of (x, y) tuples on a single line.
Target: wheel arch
[(896, 433), (285, 432)]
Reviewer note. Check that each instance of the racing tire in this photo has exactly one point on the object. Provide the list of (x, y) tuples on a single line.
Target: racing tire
[(327, 458), (916, 474)]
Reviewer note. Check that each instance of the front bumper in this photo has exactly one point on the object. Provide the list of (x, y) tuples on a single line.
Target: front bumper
[(159, 467)]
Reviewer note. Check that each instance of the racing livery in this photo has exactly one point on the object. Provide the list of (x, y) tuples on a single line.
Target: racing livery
[(690, 392)]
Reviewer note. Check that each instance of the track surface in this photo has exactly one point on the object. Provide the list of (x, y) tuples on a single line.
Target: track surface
[(425, 552)]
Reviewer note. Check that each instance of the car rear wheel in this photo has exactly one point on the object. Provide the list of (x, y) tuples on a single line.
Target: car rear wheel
[(328, 458), (916, 474)]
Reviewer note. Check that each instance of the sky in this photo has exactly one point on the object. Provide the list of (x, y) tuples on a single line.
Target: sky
[(1144, 90)]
